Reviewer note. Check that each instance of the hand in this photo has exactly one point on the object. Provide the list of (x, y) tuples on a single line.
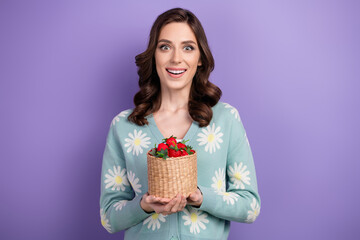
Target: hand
[(195, 199), (165, 206)]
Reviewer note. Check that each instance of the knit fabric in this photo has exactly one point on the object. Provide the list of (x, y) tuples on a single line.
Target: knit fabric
[(226, 178)]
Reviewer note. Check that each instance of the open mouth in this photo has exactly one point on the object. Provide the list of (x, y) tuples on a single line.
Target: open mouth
[(176, 72)]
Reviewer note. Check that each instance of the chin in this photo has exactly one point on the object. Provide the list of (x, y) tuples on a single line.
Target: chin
[(177, 85)]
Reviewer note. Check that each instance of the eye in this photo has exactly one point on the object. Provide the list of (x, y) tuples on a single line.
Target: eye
[(164, 47), (189, 48)]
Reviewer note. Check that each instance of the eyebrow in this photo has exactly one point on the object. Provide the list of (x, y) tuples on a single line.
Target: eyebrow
[(184, 42)]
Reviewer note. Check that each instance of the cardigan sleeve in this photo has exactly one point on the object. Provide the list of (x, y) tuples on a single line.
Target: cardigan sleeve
[(119, 205), (239, 200)]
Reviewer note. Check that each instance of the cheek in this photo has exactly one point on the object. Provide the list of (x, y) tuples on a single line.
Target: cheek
[(194, 61), (156, 58), (160, 58), (158, 64)]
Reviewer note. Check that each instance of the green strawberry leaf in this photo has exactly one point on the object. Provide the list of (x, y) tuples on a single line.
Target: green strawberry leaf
[(153, 151), (164, 151)]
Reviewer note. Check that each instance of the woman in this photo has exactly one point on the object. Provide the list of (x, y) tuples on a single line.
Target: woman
[(176, 98)]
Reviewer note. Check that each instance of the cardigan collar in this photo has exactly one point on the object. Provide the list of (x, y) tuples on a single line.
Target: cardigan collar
[(159, 136)]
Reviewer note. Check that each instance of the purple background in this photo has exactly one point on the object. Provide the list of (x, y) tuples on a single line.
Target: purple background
[(290, 67)]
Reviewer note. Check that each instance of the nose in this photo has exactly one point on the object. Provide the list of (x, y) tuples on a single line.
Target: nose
[(176, 56)]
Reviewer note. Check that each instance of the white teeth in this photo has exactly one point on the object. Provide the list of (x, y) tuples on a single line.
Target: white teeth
[(175, 71)]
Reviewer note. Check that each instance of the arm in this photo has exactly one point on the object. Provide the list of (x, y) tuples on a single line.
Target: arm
[(119, 207), (241, 201)]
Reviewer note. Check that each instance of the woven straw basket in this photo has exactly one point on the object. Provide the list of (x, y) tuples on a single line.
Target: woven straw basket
[(166, 178)]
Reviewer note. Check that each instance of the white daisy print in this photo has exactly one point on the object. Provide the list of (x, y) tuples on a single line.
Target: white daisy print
[(134, 182), (136, 142), (254, 212), (210, 136), (116, 179), (196, 218), (154, 221), (230, 197), (233, 111), (105, 221), (219, 181), (117, 118), (120, 204), (239, 175)]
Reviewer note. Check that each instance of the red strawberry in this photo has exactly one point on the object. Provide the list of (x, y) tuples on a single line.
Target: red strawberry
[(193, 151), (184, 153), (162, 146), (181, 145), (171, 141), (174, 153)]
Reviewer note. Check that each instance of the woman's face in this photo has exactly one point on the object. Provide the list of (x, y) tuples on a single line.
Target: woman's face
[(177, 56)]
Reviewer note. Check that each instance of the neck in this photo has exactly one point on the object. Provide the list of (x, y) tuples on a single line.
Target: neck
[(173, 101)]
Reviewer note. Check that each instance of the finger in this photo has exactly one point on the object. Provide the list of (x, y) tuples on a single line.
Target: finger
[(147, 198), (151, 199), (195, 196), (157, 200), (191, 196), (176, 206), (169, 205), (159, 208), (154, 199), (166, 213), (164, 200), (183, 202)]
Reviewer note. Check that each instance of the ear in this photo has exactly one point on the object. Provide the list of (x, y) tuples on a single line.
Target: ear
[(199, 63)]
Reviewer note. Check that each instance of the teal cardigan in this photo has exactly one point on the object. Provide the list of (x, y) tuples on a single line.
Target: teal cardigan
[(226, 178)]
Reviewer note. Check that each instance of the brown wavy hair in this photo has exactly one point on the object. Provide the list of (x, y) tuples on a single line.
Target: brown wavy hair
[(203, 93)]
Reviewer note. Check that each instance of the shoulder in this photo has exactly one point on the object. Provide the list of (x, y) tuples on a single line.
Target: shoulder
[(226, 111), (227, 116), (121, 118), (120, 125)]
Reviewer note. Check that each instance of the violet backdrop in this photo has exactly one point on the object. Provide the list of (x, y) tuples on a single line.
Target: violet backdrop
[(290, 67)]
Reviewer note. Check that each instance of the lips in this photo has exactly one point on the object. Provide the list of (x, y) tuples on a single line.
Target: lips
[(176, 72)]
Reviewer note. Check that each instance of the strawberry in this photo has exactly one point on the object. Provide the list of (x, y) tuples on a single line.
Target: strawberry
[(174, 153), (183, 153), (162, 146), (181, 145), (171, 148), (171, 141)]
